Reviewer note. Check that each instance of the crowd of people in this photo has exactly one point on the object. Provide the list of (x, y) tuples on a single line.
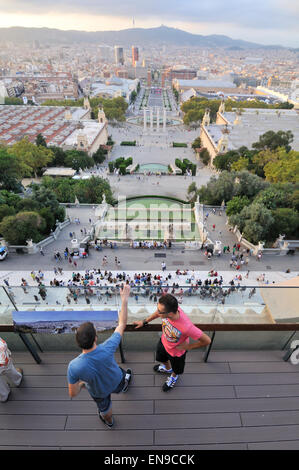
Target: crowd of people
[(102, 285), (150, 244)]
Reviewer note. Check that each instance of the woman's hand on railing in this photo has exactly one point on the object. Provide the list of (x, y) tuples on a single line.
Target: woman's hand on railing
[(139, 324)]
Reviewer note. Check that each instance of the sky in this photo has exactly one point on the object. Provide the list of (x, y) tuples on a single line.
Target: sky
[(265, 22)]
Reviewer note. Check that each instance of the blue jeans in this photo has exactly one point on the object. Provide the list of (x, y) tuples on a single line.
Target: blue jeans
[(104, 404)]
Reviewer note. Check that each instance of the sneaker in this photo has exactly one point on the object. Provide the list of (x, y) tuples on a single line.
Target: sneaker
[(106, 422), (162, 369), (4, 401), (170, 383), (128, 378), (20, 372)]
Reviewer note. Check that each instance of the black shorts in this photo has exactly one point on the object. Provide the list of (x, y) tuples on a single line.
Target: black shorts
[(177, 362)]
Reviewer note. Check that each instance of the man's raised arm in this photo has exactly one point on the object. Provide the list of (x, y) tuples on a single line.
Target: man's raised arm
[(123, 314)]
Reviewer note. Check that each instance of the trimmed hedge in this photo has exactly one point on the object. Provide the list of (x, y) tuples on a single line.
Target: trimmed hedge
[(179, 144), (205, 156), (186, 165), (131, 143), (120, 163)]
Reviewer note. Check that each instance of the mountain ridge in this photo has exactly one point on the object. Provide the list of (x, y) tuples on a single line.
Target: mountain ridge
[(126, 37)]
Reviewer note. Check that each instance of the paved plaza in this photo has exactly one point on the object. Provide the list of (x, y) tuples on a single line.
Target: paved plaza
[(143, 259), (150, 149)]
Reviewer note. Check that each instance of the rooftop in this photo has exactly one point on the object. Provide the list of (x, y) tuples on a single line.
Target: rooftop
[(253, 123), (114, 86), (58, 127), (206, 83), (90, 128), (55, 171), (50, 121)]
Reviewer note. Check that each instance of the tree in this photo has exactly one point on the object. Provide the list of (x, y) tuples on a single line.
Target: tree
[(115, 114), (241, 164), (236, 204), (91, 191), (286, 222), (77, 160), (59, 156), (224, 161), (40, 140), (64, 189), (87, 191), (283, 168), (196, 144), (6, 211), (294, 199), (181, 165), (9, 198), (45, 198), (218, 189), (32, 158), (133, 96), (28, 204), (205, 156), (10, 170), (192, 192), (17, 229), (123, 169), (64, 103), (115, 108), (273, 197), (47, 214), (100, 155), (13, 101), (272, 140), (256, 222), (285, 105), (193, 116), (247, 184)]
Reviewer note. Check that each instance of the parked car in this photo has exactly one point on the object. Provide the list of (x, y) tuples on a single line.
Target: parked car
[(3, 252)]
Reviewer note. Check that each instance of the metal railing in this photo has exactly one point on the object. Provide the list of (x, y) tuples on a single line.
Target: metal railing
[(249, 312)]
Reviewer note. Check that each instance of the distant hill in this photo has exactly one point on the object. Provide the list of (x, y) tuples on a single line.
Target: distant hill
[(126, 37)]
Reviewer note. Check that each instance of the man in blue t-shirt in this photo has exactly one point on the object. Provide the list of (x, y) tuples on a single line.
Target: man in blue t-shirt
[(96, 367)]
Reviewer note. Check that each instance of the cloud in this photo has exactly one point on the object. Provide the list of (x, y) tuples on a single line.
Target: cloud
[(268, 14), (267, 21)]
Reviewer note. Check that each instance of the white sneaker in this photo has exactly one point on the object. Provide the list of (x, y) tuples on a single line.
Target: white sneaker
[(162, 369)]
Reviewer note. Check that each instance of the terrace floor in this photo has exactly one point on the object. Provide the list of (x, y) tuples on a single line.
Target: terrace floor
[(239, 400)]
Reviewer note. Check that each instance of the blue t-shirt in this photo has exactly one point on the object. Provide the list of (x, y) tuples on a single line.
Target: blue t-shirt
[(98, 368)]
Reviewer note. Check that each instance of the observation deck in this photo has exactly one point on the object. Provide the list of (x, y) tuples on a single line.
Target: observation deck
[(241, 394)]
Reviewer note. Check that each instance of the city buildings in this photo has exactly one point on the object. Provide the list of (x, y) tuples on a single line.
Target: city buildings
[(208, 86), (135, 55), (113, 87), (41, 87), (119, 55)]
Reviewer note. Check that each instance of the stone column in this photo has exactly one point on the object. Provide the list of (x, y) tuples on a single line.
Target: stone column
[(158, 119), (144, 120), (164, 120), (151, 119)]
